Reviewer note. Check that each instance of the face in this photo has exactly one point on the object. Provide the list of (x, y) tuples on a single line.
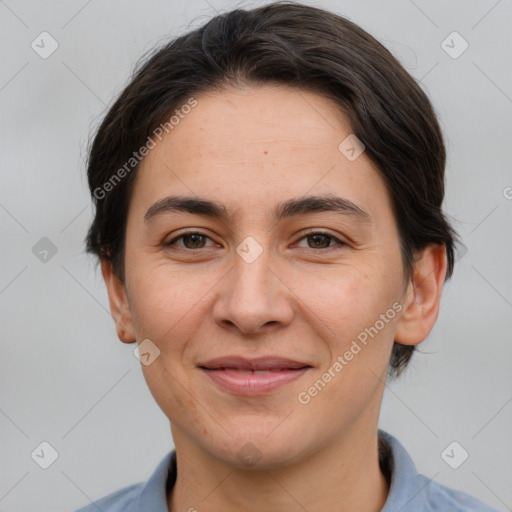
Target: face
[(305, 285)]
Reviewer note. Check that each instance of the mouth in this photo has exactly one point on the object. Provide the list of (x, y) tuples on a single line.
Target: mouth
[(251, 377)]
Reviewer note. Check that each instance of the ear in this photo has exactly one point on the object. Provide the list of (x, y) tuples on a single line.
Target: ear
[(423, 296), (119, 305)]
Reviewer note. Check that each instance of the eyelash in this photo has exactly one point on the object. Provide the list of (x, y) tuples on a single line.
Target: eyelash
[(339, 245)]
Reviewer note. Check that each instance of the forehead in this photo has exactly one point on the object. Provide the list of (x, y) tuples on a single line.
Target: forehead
[(256, 147), (262, 117)]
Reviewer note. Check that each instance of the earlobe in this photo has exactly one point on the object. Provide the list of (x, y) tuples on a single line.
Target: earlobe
[(119, 305), (422, 298)]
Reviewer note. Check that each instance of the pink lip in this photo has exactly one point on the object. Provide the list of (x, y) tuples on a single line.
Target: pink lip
[(257, 363), (241, 376), (245, 382)]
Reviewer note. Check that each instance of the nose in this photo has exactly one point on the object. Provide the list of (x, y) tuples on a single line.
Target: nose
[(254, 298)]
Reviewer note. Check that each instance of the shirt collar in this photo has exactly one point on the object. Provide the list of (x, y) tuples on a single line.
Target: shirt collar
[(405, 485), (153, 495)]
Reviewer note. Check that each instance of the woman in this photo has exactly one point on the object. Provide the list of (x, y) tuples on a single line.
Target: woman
[(268, 194)]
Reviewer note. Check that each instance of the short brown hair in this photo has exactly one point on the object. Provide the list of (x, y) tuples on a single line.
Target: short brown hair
[(293, 44)]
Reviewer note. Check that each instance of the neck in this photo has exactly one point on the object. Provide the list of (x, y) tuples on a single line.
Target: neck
[(343, 476)]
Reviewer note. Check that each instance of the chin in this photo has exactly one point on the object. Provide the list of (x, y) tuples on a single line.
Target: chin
[(260, 449)]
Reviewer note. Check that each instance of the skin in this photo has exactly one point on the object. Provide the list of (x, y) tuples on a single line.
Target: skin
[(251, 148)]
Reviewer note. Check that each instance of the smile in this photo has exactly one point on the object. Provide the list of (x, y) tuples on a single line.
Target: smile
[(253, 376), (253, 382)]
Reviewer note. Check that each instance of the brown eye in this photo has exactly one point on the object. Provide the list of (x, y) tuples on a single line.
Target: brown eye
[(191, 240), (320, 240)]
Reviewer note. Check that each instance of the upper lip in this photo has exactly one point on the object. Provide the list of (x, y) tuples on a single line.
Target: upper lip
[(259, 363)]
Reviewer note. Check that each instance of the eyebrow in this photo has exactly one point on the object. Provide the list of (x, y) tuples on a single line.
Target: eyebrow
[(289, 208)]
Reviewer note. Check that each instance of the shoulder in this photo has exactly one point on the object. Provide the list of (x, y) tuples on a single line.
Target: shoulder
[(441, 497), (411, 491), (143, 496), (122, 500)]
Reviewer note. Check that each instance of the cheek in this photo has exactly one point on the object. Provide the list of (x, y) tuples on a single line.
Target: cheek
[(165, 301), (347, 299), (166, 309), (358, 309)]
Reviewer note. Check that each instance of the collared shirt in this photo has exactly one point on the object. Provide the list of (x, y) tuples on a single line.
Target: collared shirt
[(409, 491)]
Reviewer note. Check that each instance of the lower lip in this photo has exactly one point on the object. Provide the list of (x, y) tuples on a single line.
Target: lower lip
[(252, 384)]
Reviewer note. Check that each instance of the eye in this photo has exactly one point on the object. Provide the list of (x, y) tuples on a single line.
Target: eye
[(191, 240), (321, 238)]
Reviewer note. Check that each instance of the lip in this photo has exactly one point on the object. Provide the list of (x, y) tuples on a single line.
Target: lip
[(251, 377), (257, 363)]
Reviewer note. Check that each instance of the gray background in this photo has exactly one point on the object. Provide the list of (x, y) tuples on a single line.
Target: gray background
[(66, 379)]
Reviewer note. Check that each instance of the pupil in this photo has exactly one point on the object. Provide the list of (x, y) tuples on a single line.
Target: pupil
[(195, 238), (315, 237)]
